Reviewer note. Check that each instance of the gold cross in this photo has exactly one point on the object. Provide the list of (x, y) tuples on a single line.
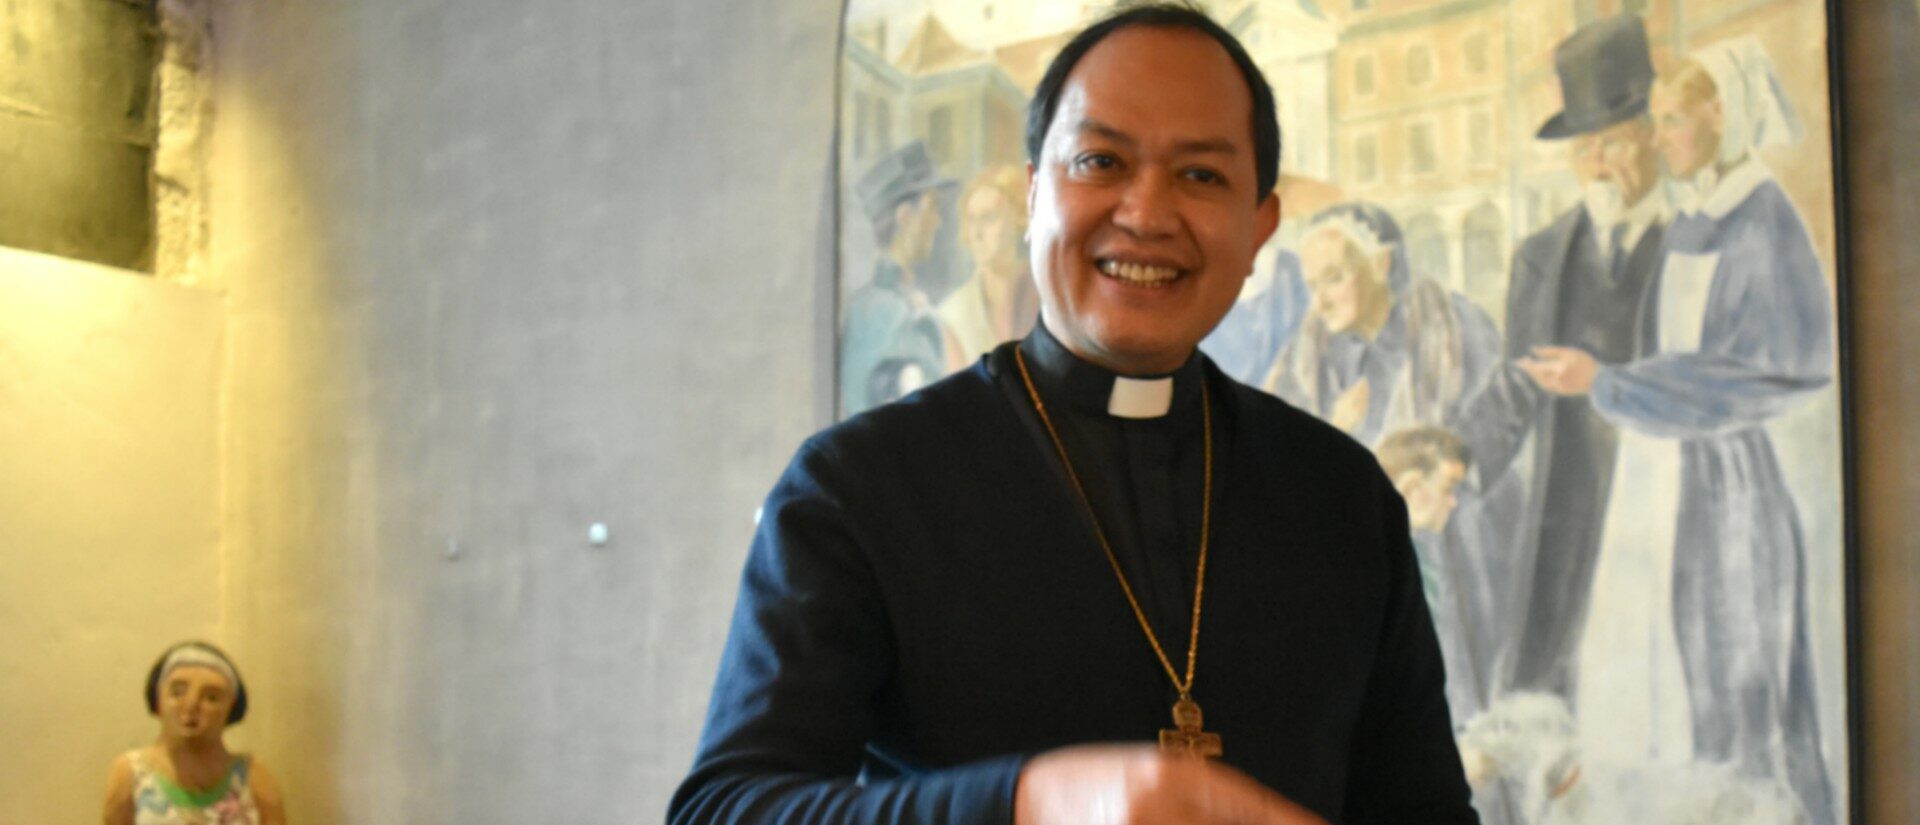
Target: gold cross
[(1189, 740)]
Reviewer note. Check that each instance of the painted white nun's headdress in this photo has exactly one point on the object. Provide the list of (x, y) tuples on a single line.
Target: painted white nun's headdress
[(1755, 106)]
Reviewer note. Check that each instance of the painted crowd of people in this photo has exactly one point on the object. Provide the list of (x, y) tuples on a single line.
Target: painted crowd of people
[(1645, 562)]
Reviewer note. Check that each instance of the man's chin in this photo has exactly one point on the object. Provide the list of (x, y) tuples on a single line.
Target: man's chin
[(1145, 356)]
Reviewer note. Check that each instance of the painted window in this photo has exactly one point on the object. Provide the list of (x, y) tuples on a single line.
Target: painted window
[(1480, 149), (1423, 154), (940, 133), (1478, 50), (1366, 158), (1419, 65)]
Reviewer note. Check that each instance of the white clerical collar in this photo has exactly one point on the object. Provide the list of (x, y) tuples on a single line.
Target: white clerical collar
[(1140, 397), (1093, 389)]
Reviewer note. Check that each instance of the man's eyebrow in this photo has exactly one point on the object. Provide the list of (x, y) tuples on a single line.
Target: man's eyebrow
[(1216, 145), (1091, 126)]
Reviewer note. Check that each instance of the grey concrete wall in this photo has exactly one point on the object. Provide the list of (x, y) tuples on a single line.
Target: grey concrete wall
[(497, 271), (76, 132)]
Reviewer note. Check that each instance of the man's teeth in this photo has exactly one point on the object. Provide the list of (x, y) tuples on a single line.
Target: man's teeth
[(1139, 273)]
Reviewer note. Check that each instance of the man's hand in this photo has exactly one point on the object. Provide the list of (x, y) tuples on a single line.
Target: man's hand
[(1139, 785), (1561, 370), (1350, 409)]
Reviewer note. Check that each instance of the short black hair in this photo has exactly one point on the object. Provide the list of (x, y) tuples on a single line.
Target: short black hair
[(234, 714), (1266, 124)]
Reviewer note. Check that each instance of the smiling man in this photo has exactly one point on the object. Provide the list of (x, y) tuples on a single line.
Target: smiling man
[(1093, 580)]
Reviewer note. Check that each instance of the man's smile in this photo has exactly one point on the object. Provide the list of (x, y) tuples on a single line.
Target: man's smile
[(1139, 274)]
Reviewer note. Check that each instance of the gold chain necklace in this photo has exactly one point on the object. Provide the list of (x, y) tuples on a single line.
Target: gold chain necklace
[(1187, 738)]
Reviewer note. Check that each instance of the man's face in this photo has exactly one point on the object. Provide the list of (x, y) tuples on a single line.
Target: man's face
[(1145, 221), (919, 222), (1430, 495), (1345, 286), (992, 231), (1620, 155), (1688, 133)]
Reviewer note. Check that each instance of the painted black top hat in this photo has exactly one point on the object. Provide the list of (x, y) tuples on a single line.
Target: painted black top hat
[(900, 174), (1606, 74)]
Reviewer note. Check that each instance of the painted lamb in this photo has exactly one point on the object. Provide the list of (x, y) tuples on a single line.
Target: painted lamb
[(1529, 739)]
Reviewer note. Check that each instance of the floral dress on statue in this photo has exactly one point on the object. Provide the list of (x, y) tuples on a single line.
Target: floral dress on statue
[(158, 800)]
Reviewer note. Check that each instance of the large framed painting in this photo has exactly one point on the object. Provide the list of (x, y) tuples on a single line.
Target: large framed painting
[(1569, 268)]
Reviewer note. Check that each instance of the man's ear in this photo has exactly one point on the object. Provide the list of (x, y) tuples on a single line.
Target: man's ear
[(1406, 480), (1266, 218), (1383, 265)]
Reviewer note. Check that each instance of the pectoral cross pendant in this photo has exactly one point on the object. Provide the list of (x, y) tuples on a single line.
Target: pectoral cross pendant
[(1189, 739)]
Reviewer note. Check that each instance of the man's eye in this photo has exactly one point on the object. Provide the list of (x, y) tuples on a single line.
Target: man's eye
[(1204, 175), (1095, 162)]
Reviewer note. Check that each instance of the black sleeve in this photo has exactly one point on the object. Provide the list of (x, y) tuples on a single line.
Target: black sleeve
[(1496, 420), (799, 692), (1405, 767)]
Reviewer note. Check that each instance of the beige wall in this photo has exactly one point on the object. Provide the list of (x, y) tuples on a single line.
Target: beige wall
[(108, 514), (174, 461), (275, 249)]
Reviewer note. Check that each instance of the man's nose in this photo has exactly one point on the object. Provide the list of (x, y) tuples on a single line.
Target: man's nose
[(1146, 206)]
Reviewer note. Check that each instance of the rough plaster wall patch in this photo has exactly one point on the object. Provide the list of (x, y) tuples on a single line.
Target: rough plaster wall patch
[(183, 80)]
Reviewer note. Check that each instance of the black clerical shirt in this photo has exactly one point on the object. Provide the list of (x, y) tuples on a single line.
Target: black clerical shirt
[(1144, 475), (924, 607)]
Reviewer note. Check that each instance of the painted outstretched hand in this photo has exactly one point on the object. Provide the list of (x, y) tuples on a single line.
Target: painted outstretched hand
[(1561, 370)]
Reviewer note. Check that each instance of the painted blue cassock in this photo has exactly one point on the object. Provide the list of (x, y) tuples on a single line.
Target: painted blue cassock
[(924, 607), (1739, 588), (890, 326), (1435, 350)]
